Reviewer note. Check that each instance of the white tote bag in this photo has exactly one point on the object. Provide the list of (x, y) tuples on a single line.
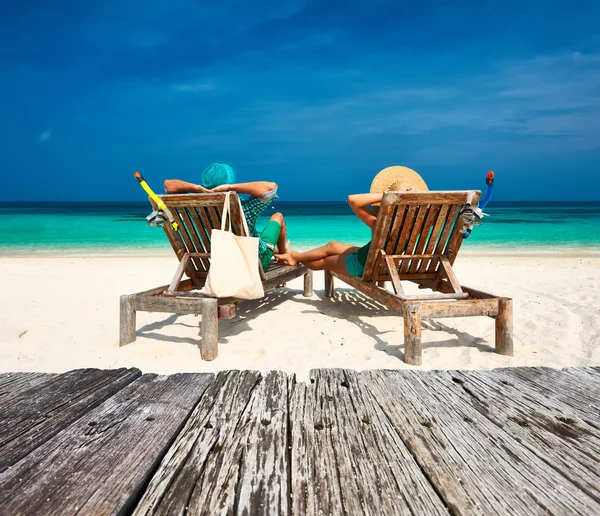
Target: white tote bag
[(233, 261)]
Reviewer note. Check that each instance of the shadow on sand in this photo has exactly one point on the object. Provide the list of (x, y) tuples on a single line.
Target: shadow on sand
[(338, 308)]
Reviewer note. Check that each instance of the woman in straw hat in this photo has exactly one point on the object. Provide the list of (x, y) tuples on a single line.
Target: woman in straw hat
[(349, 259)]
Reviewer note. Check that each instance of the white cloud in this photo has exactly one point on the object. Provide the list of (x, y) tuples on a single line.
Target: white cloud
[(44, 136)]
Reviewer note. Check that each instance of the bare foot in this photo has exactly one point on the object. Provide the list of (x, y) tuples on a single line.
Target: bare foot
[(286, 259)]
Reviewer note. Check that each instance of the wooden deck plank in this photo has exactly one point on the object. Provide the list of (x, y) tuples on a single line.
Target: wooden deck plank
[(8, 381), (346, 456), (565, 385), (44, 410), (102, 462), (376, 442), (547, 428), (474, 464), (12, 385), (231, 457)]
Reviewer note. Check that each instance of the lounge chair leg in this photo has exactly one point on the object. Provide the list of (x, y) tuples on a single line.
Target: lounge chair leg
[(328, 284), (209, 346), (127, 322), (308, 283), (413, 352), (504, 328)]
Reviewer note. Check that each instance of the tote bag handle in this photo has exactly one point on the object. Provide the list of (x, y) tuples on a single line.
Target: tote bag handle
[(227, 211)]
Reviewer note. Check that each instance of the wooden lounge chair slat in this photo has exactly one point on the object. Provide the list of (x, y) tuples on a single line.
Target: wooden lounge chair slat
[(394, 277), (425, 233), (206, 223), (201, 263), (445, 264), (178, 274), (419, 198), (193, 213), (437, 296), (448, 226), (186, 243), (407, 226), (187, 233), (394, 232), (433, 237), (405, 232), (380, 233), (205, 215), (414, 235), (215, 215), (186, 200), (412, 256)]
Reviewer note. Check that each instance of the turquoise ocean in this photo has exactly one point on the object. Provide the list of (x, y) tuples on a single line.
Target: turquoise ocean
[(108, 226)]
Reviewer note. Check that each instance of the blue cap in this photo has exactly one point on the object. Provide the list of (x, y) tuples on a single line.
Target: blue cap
[(217, 174)]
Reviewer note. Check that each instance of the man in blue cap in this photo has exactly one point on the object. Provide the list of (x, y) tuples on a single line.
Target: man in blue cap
[(221, 177)]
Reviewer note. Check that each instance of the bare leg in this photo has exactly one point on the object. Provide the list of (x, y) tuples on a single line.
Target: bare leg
[(281, 241), (331, 263), (331, 249)]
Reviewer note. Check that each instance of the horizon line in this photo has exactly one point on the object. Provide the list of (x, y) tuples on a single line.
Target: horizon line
[(291, 201)]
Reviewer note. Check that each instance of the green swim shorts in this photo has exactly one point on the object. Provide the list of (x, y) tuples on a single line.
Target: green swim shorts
[(268, 242)]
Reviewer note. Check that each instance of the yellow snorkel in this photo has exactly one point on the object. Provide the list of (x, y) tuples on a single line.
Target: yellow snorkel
[(161, 205)]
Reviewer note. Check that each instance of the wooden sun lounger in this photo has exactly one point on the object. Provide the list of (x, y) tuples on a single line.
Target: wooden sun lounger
[(417, 237), (197, 215)]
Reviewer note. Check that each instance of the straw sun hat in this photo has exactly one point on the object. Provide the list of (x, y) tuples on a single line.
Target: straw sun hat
[(398, 178)]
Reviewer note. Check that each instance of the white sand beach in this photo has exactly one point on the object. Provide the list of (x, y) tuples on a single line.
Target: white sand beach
[(61, 312)]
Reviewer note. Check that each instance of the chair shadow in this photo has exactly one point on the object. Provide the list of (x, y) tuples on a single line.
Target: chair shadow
[(462, 338), (247, 311), (150, 331), (336, 308), (364, 306), (369, 307)]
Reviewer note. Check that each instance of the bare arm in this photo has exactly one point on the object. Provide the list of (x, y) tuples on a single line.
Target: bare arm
[(256, 188), (361, 206), (174, 186)]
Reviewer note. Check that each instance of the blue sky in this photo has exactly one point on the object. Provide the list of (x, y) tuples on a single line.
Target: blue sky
[(318, 96)]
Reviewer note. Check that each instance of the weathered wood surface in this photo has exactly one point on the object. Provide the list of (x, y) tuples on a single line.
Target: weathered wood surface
[(347, 457), (100, 464), (572, 387), (41, 412), (433, 197), (231, 457), (548, 428), (209, 345), (413, 348), (308, 284), (507, 441), (12, 385), (475, 465), (504, 327)]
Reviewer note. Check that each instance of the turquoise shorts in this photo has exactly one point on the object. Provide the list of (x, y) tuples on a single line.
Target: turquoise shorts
[(353, 266)]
